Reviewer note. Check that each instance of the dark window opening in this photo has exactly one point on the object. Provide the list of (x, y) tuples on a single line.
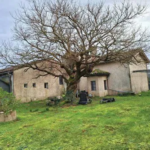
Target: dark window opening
[(46, 85), (105, 84), (60, 80), (34, 85), (25, 85), (93, 85)]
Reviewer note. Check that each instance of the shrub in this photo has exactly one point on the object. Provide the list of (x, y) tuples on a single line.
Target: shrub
[(8, 102)]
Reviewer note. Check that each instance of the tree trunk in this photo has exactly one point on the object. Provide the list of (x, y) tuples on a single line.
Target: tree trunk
[(71, 91), (72, 87)]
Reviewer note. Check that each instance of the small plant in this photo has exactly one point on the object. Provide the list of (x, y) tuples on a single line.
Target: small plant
[(34, 110), (8, 102), (53, 101), (47, 109)]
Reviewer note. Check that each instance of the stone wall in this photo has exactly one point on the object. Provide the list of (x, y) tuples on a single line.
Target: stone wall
[(6, 118), (119, 78), (139, 80), (100, 91), (39, 92)]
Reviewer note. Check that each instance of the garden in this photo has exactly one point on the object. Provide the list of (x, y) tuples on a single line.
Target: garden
[(123, 124)]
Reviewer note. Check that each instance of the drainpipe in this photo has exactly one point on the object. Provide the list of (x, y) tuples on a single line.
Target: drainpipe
[(130, 79), (147, 78), (107, 86)]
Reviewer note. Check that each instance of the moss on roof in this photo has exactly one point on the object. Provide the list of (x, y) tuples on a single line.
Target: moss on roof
[(98, 72)]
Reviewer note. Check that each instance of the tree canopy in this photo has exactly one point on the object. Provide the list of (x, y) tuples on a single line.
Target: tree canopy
[(63, 38)]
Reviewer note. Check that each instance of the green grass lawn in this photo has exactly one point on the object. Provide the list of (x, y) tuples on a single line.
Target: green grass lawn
[(124, 124)]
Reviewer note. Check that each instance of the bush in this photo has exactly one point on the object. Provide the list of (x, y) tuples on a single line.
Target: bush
[(8, 102)]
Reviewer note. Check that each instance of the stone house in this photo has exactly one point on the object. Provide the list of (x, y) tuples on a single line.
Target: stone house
[(106, 79), (115, 78)]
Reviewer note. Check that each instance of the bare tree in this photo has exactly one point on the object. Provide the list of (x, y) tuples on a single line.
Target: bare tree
[(63, 38)]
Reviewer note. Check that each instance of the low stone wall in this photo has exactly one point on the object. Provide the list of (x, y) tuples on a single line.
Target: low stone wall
[(10, 117)]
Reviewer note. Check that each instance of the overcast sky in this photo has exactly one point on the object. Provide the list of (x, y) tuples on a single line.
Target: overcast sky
[(8, 7)]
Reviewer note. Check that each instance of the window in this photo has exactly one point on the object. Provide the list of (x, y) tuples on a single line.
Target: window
[(60, 80), (105, 85), (34, 85), (93, 85), (25, 85), (46, 85)]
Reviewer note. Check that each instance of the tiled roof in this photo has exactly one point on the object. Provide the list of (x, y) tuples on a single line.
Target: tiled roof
[(9, 69)]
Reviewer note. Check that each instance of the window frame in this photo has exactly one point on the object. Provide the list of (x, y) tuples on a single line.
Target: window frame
[(93, 85), (105, 84), (46, 85), (34, 85), (25, 85), (61, 80)]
